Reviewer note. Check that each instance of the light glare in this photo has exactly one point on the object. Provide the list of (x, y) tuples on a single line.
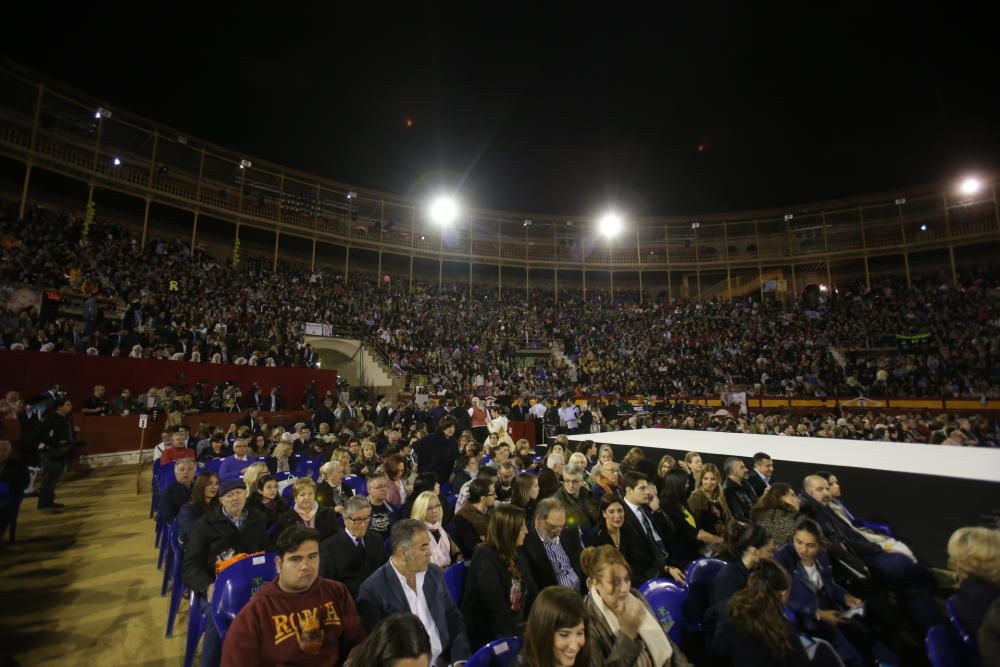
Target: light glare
[(970, 186), (443, 211), (610, 224)]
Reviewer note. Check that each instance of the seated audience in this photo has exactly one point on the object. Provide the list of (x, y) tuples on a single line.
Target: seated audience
[(760, 477), (499, 588), (556, 632), (179, 492), (525, 495), (648, 528), (216, 449), (428, 509), (753, 631), (231, 528), (506, 475), (552, 548), (740, 496), (399, 640), (331, 492), (307, 512), (707, 502), (233, 466), (550, 478), (472, 521), (280, 459), (686, 541), (178, 449), (204, 498), (327, 624), (383, 514), (622, 629), (974, 556), (352, 554), (746, 545), (265, 496), (394, 468), (605, 477), (410, 583), (580, 507), (776, 512)]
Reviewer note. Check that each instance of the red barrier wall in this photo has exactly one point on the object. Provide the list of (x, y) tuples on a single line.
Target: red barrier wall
[(33, 372)]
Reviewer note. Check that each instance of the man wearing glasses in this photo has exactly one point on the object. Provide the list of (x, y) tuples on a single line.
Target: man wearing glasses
[(382, 516), (232, 466), (581, 509), (352, 554)]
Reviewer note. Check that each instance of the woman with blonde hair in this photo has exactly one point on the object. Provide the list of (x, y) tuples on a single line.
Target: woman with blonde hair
[(427, 508), (280, 459), (367, 461), (622, 629), (499, 588), (251, 473), (974, 555), (307, 512), (707, 503)]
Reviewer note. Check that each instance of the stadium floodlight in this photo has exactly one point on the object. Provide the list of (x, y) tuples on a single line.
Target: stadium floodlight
[(823, 288), (352, 195), (923, 227), (610, 224), (444, 210), (116, 161), (970, 186), (102, 113), (789, 216), (245, 164)]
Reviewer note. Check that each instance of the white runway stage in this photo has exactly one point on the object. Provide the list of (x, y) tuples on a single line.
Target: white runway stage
[(958, 462)]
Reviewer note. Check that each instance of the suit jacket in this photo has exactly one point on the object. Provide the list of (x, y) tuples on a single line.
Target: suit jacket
[(538, 559), (836, 531), (634, 550), (486, 603), (803, 599), (437, 454), (172, 499), (382, 594), (756, 483), (645, 556), (740, 498), (341, 560), (581, 511)]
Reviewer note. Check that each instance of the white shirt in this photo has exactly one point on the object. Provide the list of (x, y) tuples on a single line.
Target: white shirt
[(642, 518), (569, 415), (538, 410), (418, 606)]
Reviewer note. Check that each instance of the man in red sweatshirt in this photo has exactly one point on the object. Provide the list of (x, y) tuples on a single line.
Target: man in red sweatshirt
[(297, 619)]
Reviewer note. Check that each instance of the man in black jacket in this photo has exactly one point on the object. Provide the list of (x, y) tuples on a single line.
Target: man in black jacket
[(740, 496), (438, 451), (230, 529), (352, 554), (553, 550), (179, 492), (56, 436)]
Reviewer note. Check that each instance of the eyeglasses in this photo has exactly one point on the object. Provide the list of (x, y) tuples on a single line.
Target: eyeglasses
[(433, 507), (359, 519)]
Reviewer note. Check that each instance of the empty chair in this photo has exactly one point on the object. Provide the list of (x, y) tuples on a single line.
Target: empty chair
[(699, 576), (176, 581), (308, 468), (454, 579), (356, 484), (213, 466), (970, 647), (667, 599), (236, 585), (196, 627), (498, 653)]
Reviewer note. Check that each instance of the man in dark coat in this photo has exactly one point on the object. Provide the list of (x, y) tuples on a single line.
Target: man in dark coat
[(352, 554), (56, 437), (438, 451), (552, 549)]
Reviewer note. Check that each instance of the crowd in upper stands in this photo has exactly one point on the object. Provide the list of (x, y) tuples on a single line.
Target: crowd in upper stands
[(162, 301)]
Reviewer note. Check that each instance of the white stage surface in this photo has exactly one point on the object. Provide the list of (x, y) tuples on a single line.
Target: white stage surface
[(977, 463)]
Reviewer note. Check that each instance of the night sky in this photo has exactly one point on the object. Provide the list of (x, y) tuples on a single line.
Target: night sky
[(558, 111)]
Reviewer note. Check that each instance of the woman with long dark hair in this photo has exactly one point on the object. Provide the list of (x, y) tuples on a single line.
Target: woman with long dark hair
[(687, 541), (556, 632), (397, 639), (204, 498), (611, 530), (754, 631), (525, 495), (265, 496), (746, 544), (499, 589)]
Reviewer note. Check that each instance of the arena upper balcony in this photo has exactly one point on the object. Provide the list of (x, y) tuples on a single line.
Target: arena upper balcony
[(48, 128)]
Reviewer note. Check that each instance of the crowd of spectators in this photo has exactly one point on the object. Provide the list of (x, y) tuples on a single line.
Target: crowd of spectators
[(162, 301)]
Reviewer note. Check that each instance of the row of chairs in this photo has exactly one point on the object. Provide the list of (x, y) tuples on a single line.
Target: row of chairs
[(952, 645)]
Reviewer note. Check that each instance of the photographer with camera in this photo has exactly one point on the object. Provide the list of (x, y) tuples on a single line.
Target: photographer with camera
[(56, 438)]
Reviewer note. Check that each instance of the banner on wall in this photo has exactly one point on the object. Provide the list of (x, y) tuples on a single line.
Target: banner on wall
[(735, 401), (318, 329)]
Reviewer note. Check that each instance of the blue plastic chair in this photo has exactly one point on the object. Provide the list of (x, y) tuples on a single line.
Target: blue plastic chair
[(454, 579), (446, 489), (196, 627), (154, 498), (452, 501), (236, 585), (213, 465), (667, 599), (498, 653), (308, 468), (943, 647), (876, 526), (699, 576), (969, 644), (163, 478), (356, 484)]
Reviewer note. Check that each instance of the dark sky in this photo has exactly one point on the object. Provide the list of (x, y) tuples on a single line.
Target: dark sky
[(561, 110)]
